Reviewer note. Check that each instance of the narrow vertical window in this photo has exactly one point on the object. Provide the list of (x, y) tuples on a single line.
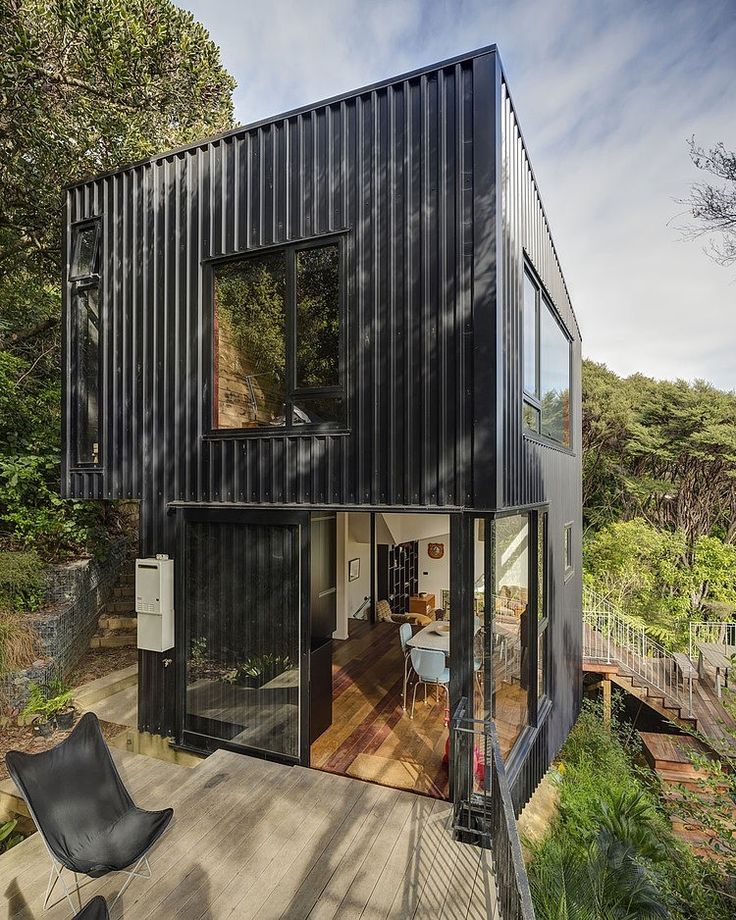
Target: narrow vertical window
[(86, 341), (569, 567), (87, 315), (542, 604), (546, 367)]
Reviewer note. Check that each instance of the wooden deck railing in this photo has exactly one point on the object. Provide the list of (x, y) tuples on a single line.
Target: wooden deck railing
[(484, 812)]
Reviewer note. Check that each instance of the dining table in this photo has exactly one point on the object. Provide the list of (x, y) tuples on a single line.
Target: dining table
[(429, 638)]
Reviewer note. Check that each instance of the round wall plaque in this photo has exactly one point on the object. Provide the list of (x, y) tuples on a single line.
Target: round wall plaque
[(436, 550)]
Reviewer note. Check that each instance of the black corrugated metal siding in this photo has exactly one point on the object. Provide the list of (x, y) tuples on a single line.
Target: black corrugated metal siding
[(394, 167), (532, 472)]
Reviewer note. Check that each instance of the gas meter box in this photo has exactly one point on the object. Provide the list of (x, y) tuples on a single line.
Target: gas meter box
[(154, 603)]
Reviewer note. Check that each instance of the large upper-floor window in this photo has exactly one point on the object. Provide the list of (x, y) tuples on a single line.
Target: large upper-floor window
[(277, 346), (546, 366), (85, 341)]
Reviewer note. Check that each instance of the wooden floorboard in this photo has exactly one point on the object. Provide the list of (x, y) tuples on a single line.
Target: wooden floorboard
[(252, 839)]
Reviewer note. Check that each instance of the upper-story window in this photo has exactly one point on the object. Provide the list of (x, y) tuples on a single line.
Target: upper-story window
[(546, 366), (278, 339), (85, 341)]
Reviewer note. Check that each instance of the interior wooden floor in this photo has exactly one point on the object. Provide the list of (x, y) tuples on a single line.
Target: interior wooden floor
[(371, 737)]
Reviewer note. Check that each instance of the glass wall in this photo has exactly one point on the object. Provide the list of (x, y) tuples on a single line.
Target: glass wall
[(243, 634), (510, 648)]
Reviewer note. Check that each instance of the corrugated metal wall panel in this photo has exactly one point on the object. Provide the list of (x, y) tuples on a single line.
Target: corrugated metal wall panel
[(393, 167), (532, 472)]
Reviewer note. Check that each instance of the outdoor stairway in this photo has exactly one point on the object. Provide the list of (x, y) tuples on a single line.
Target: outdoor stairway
[(670, 756), (665, 704), (117, 625)]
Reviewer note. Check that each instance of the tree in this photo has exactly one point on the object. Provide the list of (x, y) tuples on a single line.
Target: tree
[(659, 450), (713, 204), (85, 86)]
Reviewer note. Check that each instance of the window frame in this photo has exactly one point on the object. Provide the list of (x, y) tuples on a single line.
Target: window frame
[(77, 227), (78, 285), (567, 532), (538, 704), (533, 401), (292, 392)]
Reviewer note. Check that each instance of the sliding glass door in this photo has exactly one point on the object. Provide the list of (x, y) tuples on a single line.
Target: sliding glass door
[(242, 592)]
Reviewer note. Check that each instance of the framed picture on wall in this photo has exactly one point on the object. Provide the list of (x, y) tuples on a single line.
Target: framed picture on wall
[(353, 569)]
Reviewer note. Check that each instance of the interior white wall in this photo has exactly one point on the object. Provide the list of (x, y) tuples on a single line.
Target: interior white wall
[(356, 546), (434, 574), (341, 619)]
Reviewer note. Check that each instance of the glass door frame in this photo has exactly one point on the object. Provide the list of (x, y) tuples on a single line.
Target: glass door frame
[(212, 515)]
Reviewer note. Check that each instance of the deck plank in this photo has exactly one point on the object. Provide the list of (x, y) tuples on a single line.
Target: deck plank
[(255, 839)]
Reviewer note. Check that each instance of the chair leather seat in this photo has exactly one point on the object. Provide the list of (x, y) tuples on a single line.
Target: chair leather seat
[(118, 846), (96, 909)]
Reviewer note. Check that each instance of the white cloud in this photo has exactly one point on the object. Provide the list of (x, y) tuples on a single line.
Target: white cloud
[(607, 94)]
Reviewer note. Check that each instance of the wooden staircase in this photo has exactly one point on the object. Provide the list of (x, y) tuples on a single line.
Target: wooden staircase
[(117, 625), (667, 706)]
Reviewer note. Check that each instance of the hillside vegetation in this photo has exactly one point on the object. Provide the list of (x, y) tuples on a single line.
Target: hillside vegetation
[(659, 493)]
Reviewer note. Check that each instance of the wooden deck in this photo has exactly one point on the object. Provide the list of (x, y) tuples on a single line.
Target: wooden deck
[(252, 839), (711, 719)]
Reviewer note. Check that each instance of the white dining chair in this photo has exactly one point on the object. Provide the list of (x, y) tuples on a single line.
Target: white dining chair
[(429, 666), (405, 634)]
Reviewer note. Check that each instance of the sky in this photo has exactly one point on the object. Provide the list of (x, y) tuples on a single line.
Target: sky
[(607, 92)]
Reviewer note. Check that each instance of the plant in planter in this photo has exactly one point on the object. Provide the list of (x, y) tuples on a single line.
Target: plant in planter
[(36, 711), (60, 704)]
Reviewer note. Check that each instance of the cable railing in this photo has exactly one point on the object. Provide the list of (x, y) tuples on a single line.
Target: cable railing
[(609, 636), (483, 811)]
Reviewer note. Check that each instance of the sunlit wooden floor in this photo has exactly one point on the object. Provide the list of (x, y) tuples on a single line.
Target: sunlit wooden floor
[(371, 737), (252, 839)]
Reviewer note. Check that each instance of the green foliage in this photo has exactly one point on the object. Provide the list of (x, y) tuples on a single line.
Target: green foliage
[(661, 451), (21, 580), (86, 85), (611, 852), (7, 838), (18, 642), (45, 701), (659, 490)]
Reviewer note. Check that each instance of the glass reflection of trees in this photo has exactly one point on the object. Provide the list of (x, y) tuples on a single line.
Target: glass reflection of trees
[(250, 355)]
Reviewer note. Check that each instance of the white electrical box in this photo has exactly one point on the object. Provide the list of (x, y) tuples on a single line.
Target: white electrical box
[(154, 603)]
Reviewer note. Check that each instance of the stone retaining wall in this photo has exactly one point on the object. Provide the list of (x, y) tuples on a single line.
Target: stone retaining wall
[(74, 596)]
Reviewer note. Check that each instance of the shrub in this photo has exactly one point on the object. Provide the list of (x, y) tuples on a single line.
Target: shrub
[(21, 580), (19, 646), (611, 851)]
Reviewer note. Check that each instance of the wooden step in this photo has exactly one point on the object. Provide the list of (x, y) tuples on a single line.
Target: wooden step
[(102, 687), (118, 623), (118, 640), (126, 608)]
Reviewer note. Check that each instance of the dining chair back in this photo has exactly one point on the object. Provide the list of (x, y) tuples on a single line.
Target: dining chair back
[(430, 668), (404, 636), (429, 664)]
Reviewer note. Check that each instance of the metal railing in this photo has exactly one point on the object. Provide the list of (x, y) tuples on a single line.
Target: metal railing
[(713, 634), (610, 636), (483, 811)]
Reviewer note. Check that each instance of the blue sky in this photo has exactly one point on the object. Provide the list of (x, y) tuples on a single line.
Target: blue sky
[(607, 91)]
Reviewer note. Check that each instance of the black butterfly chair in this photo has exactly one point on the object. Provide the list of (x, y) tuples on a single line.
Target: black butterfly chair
[(83, 812), (95, 910)]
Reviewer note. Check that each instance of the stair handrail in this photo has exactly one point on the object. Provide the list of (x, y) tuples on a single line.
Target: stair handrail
[(611, 636)]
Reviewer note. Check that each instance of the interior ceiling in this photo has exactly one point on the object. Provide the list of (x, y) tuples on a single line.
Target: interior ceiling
[(397, 528)]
